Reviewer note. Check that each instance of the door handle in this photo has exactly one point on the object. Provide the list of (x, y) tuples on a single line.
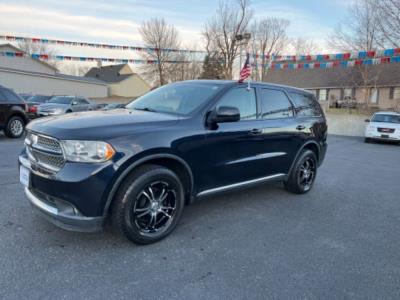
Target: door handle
[(300, 127), (255, 131)]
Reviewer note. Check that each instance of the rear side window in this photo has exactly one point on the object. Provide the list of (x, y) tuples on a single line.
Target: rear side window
[(275, 104), (305, 104), (244, 100), (10, 96)]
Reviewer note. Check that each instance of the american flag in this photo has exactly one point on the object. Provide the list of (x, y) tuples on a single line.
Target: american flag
[(246, 71)]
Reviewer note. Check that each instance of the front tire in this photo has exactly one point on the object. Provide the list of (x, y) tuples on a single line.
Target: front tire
[(15, 127), (149, 204), (303, 174)]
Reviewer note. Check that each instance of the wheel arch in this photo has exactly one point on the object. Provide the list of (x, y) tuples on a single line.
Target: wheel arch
[(310, 145), (17, 113), (170, 161)]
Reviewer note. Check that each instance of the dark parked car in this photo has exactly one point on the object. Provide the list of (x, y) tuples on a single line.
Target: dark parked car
[(141, 165), (59, 105), (114, 106), (33, 102), (13, 117)]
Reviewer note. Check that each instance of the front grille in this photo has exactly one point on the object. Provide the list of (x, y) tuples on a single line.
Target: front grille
[(386, 130), (45, 153)]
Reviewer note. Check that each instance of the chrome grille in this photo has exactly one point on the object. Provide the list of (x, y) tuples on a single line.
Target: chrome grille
[(45, 153)]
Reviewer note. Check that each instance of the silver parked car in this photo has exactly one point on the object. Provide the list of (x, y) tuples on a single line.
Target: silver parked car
[(59, 105)]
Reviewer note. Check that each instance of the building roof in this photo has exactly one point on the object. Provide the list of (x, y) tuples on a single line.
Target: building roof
[(379, 75), (110, 74)]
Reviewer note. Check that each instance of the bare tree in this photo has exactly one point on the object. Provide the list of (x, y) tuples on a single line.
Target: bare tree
[(187, 67), (304, 46), (221, 31), (159, 36), (388, 22), (360, 33), (268, 37), (38, 48)]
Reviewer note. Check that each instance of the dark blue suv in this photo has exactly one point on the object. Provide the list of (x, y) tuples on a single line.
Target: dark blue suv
[(142, 164)]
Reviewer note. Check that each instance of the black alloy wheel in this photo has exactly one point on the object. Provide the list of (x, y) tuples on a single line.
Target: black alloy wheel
[(149, 204), (303, 173)]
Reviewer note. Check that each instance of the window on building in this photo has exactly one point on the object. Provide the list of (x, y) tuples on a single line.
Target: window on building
[(374, 95), (306, 105), (275, 104), (323, 95), (395, 93), (244, 100), (348, 93)]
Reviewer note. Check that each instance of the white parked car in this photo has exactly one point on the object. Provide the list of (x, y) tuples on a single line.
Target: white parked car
[(383, 125)]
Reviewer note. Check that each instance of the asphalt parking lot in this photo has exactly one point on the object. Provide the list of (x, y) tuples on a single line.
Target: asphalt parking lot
[(339, 241)]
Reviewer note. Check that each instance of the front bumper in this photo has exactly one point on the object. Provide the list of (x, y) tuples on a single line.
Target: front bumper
[(64, 215), (73, 199), (382, 136)]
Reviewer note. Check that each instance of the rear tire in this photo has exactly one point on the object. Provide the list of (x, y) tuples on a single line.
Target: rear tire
[(303, 174), (148, 205), (15, 127)]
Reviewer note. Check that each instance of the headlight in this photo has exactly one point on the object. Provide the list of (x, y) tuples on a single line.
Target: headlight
[(87, 151), (371, 127)]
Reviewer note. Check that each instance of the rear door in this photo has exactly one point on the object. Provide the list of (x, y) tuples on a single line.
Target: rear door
[(281, 132)]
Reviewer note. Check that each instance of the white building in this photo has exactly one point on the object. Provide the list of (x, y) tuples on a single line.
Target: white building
[(32, 76)]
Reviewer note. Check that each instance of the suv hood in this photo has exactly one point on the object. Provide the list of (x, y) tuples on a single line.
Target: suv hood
[(100, 125)]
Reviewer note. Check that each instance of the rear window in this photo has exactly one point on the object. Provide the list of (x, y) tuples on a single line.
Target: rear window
[(10, 96), (306, 105), (386, 118)]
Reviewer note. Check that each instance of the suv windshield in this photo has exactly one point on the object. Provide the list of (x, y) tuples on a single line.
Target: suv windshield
[(38, 99), (386, 118), (61, 100), (180, 99)]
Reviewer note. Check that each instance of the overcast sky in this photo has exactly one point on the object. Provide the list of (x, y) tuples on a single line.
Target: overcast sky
[(117, 21)]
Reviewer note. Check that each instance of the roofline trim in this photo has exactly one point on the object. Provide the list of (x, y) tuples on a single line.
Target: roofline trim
[(50, 76)]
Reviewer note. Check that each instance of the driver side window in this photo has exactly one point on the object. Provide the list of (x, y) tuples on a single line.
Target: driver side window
[(244, 100)]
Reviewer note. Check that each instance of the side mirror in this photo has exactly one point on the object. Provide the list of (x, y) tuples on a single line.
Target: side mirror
[(224, 114), (367, 120)]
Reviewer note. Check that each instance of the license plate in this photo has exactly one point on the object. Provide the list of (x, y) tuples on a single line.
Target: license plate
[(384, 136), (24, 175)]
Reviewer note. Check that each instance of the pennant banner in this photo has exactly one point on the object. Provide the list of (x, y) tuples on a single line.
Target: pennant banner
[(88, 59), (330, 57), (336, 63), (13, 38)]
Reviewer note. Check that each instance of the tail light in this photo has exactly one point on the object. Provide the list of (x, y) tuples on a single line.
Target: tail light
[(33, 109)]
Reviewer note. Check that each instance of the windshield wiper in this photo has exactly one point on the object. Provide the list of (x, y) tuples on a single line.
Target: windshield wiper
[(145, 109)]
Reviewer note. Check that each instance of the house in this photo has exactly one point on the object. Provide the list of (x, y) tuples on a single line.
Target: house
[(121, 80), (375, 86), (24, 74)]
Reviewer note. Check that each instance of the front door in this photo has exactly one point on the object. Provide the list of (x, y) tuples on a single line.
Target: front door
[(231, 150)]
